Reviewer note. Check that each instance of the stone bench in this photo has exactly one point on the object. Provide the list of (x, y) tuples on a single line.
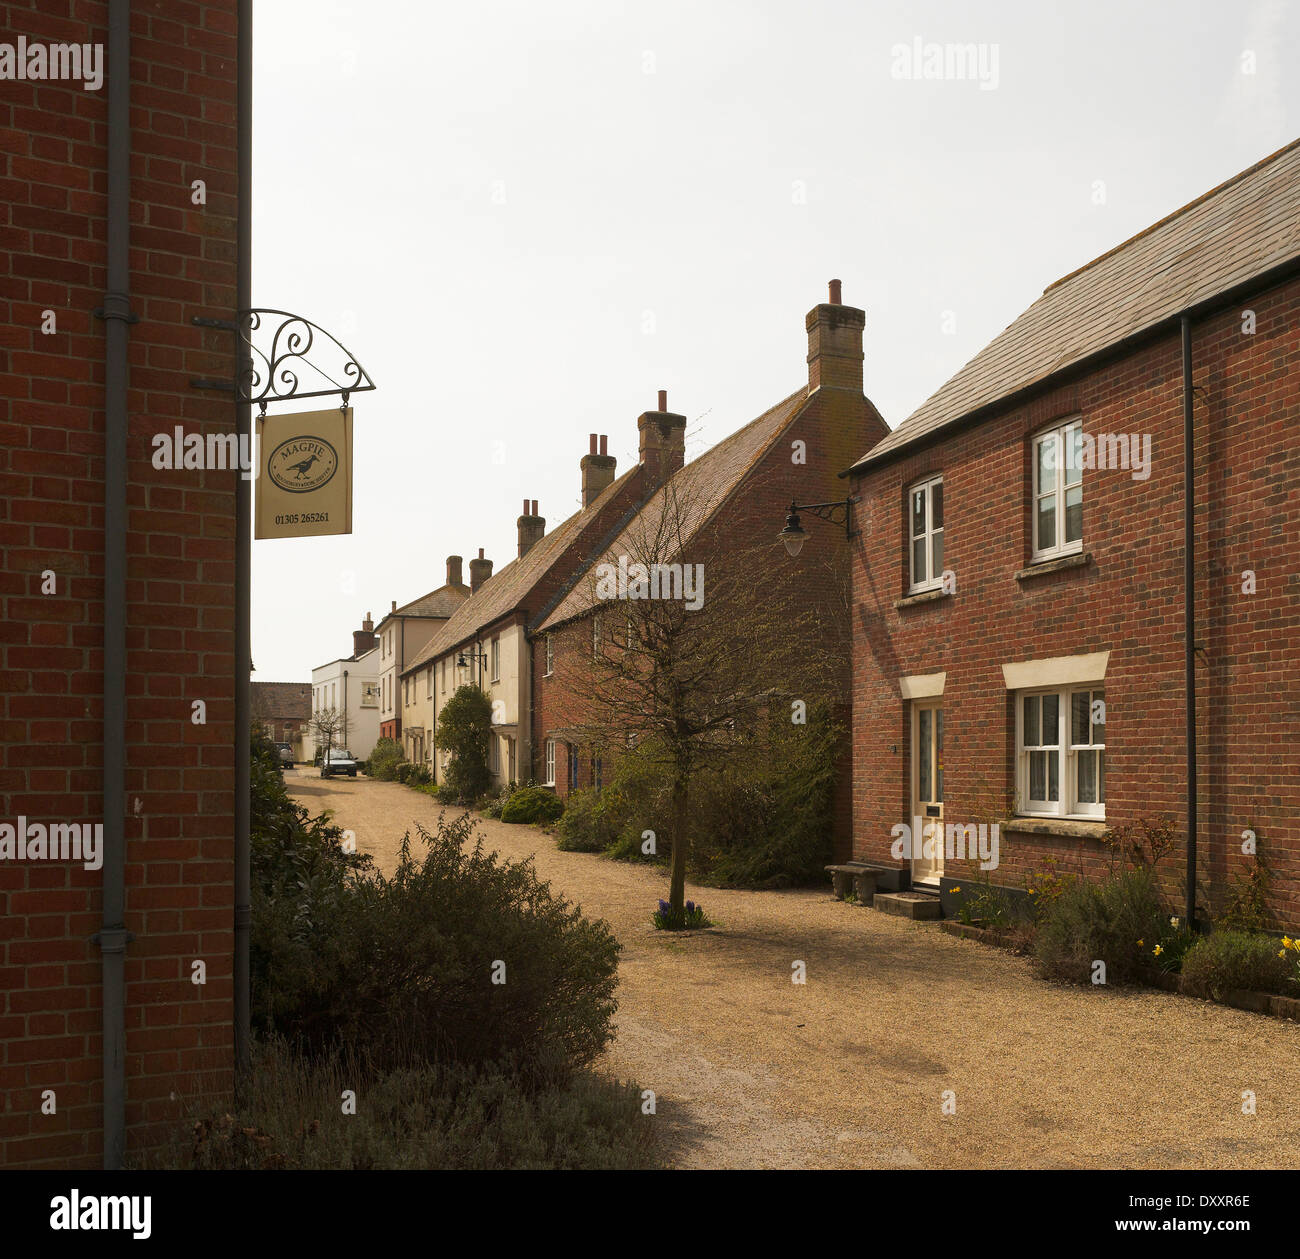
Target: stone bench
[(856, 878)]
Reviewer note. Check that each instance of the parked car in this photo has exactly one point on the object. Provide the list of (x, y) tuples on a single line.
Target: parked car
[(286, 753), (338, 761)]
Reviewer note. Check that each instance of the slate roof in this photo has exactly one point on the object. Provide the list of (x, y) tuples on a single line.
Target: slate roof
[(508, 588), (708, 481), (1230, 235)]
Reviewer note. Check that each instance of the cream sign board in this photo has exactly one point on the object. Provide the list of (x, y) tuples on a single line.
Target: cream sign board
[(304, 482)]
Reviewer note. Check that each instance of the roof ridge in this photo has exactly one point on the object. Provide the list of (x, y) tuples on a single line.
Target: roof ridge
[(1169, 218)]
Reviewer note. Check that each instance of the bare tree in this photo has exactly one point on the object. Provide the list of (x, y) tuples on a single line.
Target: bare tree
[(324, 724), (685, 653)]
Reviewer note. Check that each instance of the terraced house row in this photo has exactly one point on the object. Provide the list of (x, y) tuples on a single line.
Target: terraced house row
[(1028, 554)]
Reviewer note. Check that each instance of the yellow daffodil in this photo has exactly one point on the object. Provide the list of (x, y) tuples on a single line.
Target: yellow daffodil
[(1141, 943), (1287, 942), (1157, 950), (1281, 952)]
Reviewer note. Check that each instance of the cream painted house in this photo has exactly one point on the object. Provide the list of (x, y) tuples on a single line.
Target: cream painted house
[(403, 635), (485, 641)]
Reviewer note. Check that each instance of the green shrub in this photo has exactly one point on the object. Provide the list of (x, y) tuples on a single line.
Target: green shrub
[(1121, 920), (447, 794), (465, 730), (1228, 959), (535, 805), (384, 759), (589, 823), (419, 776), (403, 771), (398, 967), (422, 1116)]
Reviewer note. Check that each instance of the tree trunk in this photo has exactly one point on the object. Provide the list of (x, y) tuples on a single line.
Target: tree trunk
[(677, 888)]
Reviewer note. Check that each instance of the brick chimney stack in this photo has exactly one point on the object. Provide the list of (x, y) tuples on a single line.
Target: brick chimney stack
[(453, 571), (663, 442), (835, 344), (363, 640), (597, 470), (479, 571), (531, 528)]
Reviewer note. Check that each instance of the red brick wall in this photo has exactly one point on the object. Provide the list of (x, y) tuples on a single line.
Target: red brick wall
[(180, 572), (1129, 601), (836, 426)]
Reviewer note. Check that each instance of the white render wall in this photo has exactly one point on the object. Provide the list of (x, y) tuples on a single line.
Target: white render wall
[(361, 687)]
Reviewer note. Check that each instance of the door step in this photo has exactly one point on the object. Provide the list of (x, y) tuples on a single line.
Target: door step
[(916, 905)]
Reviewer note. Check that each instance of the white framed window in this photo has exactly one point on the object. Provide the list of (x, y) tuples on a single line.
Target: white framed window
[(550, 762), (925, 533), (496, 660), (550, 655), (1058, 491), (1061, 751)]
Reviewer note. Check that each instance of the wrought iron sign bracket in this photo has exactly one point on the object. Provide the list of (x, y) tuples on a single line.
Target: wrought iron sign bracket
[(837, 513), (284, 357)]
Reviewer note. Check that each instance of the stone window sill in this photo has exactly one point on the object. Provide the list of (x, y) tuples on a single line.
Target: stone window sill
[(926, 596), (1044, 567), (1070, 828)]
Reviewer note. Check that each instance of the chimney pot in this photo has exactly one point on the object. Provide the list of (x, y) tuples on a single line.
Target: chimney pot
[(593, 444), (663, 442), (534, 507), (597, 471), (604, 444), (479, 571), (364, 638), (394, 605), (835, 344)]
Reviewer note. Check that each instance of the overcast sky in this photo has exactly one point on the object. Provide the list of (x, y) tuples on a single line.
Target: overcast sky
[(525, 218)]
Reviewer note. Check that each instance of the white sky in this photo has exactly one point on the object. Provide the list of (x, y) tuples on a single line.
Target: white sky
[(502, 330)]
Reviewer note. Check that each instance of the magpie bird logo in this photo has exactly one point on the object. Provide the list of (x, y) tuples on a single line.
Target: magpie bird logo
[(302, 464)]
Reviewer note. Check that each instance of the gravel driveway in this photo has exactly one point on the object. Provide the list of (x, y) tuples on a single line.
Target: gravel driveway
[(849, 1069)]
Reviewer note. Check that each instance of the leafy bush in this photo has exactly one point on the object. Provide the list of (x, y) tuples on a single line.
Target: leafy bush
[(465, 730), (1228, 959), (1120, 920), (532, 804), (392, 968), (421, 1116), (384, 759), (589, 823), (403, 771), (447, 794), (419, 776)]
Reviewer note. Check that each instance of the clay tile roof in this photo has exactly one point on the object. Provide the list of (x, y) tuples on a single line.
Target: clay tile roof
[(1227, 237), (711, 479), (441, 602), (282, 699), (508, 588)]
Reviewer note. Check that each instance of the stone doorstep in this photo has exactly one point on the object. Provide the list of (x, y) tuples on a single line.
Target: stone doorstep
[(915, 905)]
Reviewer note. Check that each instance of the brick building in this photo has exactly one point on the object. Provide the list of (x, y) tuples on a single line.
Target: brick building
[(734, 499), (283, 709), (86, 251), (1019, 566)]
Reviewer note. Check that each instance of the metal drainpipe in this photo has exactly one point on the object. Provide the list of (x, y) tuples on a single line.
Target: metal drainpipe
[(344, 744), (1189, 612), (243, 550), (113, 937)]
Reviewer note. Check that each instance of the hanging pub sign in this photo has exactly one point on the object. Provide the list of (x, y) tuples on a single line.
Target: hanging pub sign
[(304, 481)]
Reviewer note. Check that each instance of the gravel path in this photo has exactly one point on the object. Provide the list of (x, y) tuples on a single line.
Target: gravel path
[(850, 1068)]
